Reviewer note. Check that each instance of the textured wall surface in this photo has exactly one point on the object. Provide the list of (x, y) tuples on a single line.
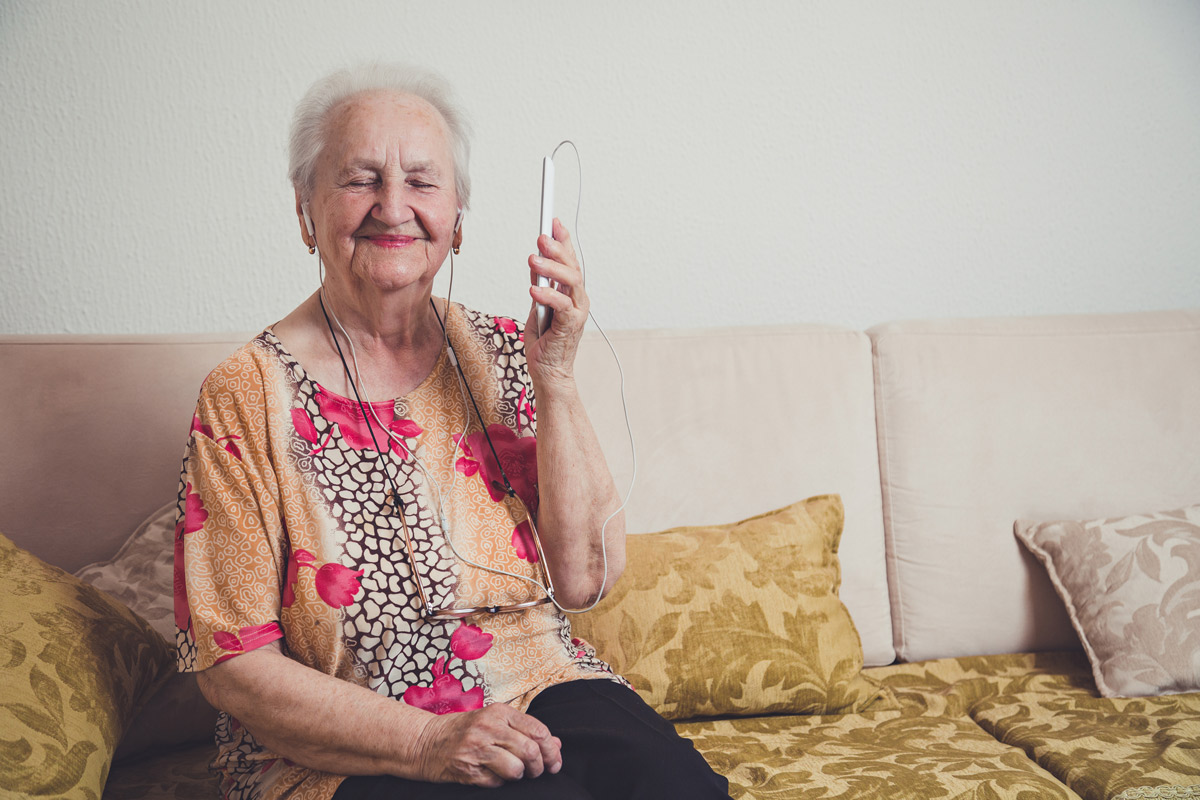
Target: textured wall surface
[(845, 162)]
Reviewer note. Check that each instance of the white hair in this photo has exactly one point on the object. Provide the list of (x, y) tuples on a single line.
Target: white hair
[(308, 136)]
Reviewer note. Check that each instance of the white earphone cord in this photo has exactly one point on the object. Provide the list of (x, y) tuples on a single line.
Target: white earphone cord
[(446, 528)]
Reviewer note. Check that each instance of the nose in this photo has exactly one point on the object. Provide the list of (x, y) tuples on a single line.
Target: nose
[(392, 206)]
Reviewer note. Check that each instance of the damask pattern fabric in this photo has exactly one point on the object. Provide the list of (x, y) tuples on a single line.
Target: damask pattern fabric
[(737, 619), (1046, 704), (1103, 747), (1161, 793), (954, 685), (1132, 588), (887, 754), (75, 666), (1008, 726), (288, 528)]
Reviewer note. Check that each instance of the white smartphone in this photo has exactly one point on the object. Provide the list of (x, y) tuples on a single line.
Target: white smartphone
[(544, 314)]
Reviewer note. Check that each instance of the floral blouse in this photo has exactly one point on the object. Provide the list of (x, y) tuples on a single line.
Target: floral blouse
[(288, 530)]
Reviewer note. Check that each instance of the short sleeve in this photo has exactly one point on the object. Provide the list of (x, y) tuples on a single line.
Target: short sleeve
[(229, 538)]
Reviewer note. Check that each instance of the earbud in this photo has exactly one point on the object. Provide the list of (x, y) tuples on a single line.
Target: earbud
[(458, 222), (307, 220)]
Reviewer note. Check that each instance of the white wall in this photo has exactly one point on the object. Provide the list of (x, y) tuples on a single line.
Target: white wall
[(846, 162)]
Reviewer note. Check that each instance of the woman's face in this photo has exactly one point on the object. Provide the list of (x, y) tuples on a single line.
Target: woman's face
[(384, 203)]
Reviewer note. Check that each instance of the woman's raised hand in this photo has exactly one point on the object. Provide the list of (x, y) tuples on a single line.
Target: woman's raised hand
[(551, 356), (487, 747)]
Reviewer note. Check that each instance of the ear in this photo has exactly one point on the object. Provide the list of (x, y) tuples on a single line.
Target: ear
[(457, 241), (309, 241)]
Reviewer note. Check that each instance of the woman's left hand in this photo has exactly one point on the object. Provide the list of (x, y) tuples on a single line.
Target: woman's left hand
[(551, 356), (583, 541)]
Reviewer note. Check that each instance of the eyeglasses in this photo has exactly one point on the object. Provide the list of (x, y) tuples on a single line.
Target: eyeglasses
[(459, 612)]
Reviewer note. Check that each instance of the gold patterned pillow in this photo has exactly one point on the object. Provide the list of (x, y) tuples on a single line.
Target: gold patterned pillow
[(1131, 586), (739, 619), (75, 666)]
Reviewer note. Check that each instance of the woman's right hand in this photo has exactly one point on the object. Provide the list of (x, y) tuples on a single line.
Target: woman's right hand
[(361, 732), (487, 747)]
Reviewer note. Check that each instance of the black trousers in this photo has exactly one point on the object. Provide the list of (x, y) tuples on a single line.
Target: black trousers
[(614, 746)]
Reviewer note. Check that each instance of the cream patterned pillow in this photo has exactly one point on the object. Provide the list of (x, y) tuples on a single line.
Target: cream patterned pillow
[(739, 619), (1132, 588), (141, 574)]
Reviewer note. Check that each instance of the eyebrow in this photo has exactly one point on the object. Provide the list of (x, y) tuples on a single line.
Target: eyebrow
[(421, 167), (424, 167)]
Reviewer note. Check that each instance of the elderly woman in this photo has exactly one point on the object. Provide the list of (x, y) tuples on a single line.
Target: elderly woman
[(372, 506)]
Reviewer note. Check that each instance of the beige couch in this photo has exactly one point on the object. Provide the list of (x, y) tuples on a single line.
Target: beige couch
[(937, 435)]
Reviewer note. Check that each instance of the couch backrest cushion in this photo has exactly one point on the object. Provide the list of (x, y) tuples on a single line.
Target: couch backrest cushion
[(985, 421), (93, 431), (731, 423)]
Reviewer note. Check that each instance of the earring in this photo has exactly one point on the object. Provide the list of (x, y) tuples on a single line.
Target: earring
[(458, 251), (312, 249)]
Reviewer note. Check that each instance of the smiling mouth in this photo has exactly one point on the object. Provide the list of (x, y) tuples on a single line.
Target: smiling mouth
[(391, 241)]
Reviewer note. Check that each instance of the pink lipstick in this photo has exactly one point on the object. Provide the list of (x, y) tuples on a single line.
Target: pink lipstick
[(392, 241)]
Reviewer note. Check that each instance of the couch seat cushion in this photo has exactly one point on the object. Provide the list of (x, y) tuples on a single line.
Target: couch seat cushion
[(1103, 748), (182, 774), (954, 685), (889, 754)]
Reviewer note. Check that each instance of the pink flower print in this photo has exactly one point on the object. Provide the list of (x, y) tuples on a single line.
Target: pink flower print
[(308, 431), (466, 463), (525, 409), (300, 558), (338, 585), (200, 427), (446, 695), (517, 454), (251, 633), (505, 324), (194, 516), (194, 513), (469, 642), (406, 428), (234, 644), (183, 615), (522, 542), (579, 651), (356, 431), (304, 425), (229, 643)]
